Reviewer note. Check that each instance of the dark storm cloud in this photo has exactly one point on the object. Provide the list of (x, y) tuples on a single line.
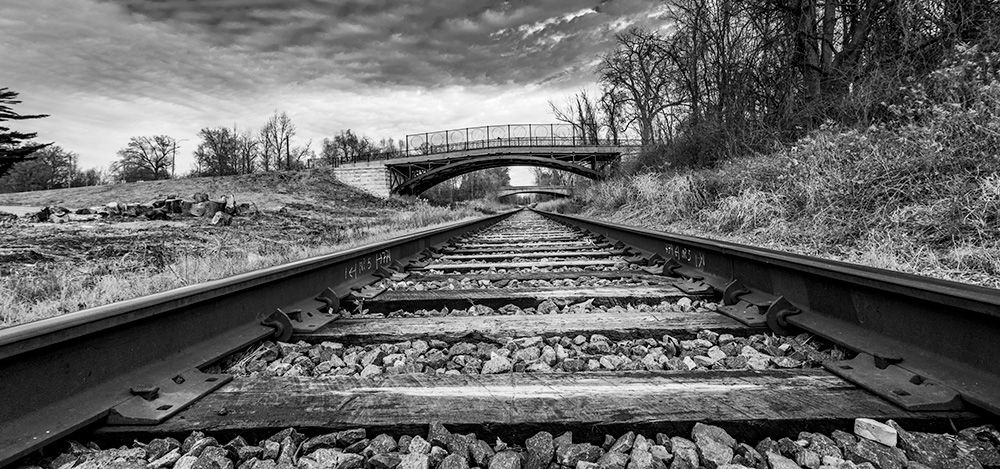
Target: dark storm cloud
[(107, 70), (408, 42)]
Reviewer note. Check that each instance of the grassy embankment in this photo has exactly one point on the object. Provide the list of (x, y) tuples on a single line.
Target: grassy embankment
[(64, 268), (918, 195)]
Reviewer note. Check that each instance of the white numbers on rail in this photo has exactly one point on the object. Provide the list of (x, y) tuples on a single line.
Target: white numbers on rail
[(367, 264), (686, 255)]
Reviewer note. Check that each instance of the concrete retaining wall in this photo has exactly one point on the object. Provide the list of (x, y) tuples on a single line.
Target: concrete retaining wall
[(369, 177)]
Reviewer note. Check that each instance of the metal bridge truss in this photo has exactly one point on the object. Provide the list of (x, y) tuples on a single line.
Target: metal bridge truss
[(413, 176)]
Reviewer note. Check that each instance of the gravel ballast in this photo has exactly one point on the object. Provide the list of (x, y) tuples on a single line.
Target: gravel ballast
[(706, 446), (709, 351)]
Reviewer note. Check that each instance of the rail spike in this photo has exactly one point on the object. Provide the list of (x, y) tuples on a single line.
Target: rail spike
[(281, 323), (777, 314), (735, 289)]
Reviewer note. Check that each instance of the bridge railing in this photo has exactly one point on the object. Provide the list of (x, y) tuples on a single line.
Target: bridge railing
[(491, 136)]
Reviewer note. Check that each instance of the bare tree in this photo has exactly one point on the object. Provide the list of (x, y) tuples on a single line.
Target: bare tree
[(218, 153), (580, 113), (276, 138), (145, 158), (639, 70), (248, 152)]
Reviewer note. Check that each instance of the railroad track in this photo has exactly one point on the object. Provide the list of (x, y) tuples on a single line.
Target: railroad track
[(481, 344)]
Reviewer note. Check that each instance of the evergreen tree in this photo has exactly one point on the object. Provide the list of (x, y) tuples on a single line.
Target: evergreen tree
[(14, 145)]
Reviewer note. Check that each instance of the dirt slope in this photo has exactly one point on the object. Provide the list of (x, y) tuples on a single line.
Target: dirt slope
[(48, 269)]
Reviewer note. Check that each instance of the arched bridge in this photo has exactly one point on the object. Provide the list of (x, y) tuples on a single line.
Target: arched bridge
[(430, 158), (562, 191)]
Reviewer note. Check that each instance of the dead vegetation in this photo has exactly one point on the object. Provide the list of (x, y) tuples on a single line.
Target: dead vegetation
[(920, 195), (49, 269)]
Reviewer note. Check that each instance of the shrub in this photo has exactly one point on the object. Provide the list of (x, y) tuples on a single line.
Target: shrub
[(921, 193)]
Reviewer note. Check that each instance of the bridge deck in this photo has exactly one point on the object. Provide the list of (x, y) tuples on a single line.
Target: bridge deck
[(602, 152)]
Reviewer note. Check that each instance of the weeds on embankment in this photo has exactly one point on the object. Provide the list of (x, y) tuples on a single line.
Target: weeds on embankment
[(48, 289), (920, 195)]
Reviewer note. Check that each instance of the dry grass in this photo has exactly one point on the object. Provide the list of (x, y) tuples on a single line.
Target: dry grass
[(920, 195), (56, 289), (97, 264), (267, 190)]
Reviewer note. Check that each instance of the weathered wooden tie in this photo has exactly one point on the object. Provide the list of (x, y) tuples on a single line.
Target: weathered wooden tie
[(529, 255), (769, 401), (519, 265), (523, 298), (615, 326)]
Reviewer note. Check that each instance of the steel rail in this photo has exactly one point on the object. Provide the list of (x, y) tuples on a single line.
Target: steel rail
[(139, 361), (923, 343)]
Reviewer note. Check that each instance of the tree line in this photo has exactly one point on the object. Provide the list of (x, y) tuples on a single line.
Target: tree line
[(732, 76), (220, 151)]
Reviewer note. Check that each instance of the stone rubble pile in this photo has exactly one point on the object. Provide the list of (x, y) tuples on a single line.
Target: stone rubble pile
[(709, 350), (221, 212), (707, 446)]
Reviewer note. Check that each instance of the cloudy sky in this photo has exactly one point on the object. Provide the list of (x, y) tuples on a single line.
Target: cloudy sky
[(109, 69)]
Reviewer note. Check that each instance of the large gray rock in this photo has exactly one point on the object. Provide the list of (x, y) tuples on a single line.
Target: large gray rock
[(624, 443), (327, 458), (662, 454), (497, 364), (565, 439), (381, 444), (540, 449), (460, 445), (934, 450), (505, 460), (166, 460), (418, 445), (438, 435), (569, 455), (881, 456), (414, 461), (215, 456), (748, 456), (821, 444), (331, 440), (640, 459), (715, 446), (702, 432), (384, 461), (778, 461), (454, 461), (160, 446), (613, 460), (641, 443), (685, 454), (983, 442), (481, 453), (437, 455)]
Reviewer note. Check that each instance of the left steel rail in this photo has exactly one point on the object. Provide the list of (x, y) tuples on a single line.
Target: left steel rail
[(139, 361)]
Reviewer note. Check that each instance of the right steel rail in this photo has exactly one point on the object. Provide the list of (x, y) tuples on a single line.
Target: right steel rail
[(923, 343)]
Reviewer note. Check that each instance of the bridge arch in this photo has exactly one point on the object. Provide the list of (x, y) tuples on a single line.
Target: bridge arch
[(557, 191), (414, 185)]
